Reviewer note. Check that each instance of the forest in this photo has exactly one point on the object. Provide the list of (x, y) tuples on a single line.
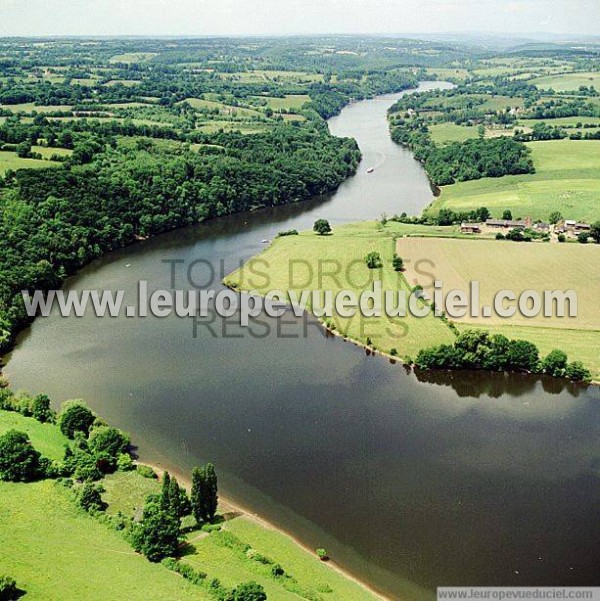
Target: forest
[(113, 142)]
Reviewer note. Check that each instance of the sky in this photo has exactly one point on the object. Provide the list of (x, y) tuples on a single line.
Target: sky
[(272, 17)]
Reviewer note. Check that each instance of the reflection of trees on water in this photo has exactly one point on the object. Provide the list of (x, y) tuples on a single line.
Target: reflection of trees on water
[(476, 384)]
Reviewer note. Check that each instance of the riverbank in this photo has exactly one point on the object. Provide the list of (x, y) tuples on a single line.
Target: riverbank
[(124, 493), (228, 506)]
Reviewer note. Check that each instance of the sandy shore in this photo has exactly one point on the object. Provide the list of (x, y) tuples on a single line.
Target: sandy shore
[(228, 506)]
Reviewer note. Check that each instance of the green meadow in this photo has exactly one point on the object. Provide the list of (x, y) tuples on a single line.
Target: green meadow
[(567, 179), (305, 262), (567, 82), (11, 161), (57, 552)]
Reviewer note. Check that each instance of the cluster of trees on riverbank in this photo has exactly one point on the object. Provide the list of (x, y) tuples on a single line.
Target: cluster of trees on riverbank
[(478, 350), (462, 161)]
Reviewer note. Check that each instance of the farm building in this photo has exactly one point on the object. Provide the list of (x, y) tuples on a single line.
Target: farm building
[(520, 224), (470, 228)]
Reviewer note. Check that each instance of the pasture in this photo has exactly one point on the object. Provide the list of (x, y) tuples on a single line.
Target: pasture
[(289, 102), (567, 82), (567, 179), (297, 263), (46, 438), (89, 560), (11, 161), (503, 265)]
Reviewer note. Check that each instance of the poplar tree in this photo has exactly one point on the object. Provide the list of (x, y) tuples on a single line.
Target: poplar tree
[(204, 493)]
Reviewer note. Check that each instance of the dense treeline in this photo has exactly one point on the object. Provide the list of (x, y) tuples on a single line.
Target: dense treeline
[(476, 349), (56, 220), (463, 161), (474, 159)]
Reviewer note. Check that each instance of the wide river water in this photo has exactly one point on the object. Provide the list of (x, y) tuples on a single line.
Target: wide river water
[(409, 481)]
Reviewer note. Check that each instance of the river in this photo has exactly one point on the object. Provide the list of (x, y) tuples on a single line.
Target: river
[(409, 481)]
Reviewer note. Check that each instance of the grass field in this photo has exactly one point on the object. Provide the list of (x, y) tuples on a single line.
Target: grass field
[(28, 107), (443, 133), (132, 57), (10, 160), (291, 101), (567, 82), (309, 578), (57, 552), (561, 121), (224, 109), (517, 267), (446, 133), (345, 250), (567, 179), (46, 438)]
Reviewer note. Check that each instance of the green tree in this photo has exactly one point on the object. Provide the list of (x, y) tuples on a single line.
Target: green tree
[(111, 441), (24, 150), (75, 417), (19, 461), (180, 502), (555, 217), (398, 263), (249, 591), (507, 215), (157, 534), (523, 355), (595, 232), (204, 495), (373, 260), (555, 363), (8, 589), (583, 238), (322, 227), (40, 409)]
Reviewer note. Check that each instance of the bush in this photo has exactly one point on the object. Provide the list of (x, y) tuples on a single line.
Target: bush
[(322, 554), (249, 591), (75, 417), (147, 472), (19, 461), (8, 589), (90, 499), (277, 571), (186, 570), (555, 364), (125, 462), (583, 238), (394, 352), (287, 233), (577, 372), (500, 236), (562, 238)]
